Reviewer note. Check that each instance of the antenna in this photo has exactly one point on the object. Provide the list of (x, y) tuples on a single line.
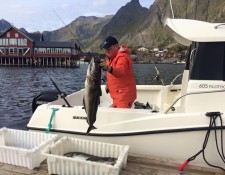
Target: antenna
[(186, 8), (196, 8), (207, 12), (70, 31), (171, 9)]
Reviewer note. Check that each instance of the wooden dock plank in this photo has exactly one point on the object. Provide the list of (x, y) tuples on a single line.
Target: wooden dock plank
[(163, 166), (135, 166)]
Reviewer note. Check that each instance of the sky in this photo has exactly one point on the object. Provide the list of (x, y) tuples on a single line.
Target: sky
[(48, 15)]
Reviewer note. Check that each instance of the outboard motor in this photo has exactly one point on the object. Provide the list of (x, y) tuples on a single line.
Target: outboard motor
[(44, 97)]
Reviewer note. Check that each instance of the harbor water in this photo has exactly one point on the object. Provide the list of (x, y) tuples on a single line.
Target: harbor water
[(18, 86)]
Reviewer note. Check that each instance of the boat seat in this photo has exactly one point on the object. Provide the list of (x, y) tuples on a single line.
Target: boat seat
[(105, 104)]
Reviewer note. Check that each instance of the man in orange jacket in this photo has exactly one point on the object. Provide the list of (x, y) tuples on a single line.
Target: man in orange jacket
[(120, 76)]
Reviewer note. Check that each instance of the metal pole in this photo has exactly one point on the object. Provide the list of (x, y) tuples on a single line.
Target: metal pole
[(171, 9), (186, 9), (207, 11)]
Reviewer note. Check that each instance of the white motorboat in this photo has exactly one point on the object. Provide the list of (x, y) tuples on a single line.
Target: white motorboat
[(179, 62), (181, 115)]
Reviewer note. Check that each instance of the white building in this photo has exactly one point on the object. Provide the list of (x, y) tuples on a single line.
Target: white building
[(143, 49)]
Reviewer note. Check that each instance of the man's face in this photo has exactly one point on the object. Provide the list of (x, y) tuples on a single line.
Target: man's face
[(111, 51)]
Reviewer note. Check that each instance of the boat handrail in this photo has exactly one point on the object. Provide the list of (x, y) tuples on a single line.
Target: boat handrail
[(191, 56), (175, 78), (191, 93), (171, 7), (216, 27)]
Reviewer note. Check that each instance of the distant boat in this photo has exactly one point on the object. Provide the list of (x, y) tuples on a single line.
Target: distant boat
[(83, 61), (179, 62)]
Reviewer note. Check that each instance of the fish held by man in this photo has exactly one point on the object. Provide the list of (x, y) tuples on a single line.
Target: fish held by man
[(92, 93)]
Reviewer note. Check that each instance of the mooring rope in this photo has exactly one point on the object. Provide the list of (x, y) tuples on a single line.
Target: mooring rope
[(51, 118), (212, 126)]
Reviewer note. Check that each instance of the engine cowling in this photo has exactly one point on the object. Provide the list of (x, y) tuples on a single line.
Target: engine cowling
[(44, 97)]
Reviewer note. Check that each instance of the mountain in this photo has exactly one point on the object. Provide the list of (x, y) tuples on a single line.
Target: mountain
[(83, 29), (135, 25), (23, 30), (91, 31), (151, 32), (4, 25), (126, 21)]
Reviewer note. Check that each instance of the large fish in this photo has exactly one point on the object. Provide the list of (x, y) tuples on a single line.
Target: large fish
[(92, 93)]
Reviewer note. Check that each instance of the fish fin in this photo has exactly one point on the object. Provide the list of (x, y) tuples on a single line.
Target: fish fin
[(148, 106), (90, 128), (69, 154), (84, 105), (100, 91), (87, 121), (98, 101)]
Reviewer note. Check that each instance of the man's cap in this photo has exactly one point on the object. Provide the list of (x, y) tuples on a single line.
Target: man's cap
[(109, 41)]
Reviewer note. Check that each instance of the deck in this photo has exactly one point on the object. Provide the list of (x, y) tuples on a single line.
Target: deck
[(135, 166)]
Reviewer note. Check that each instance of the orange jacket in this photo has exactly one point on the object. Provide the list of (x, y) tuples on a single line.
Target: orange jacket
[(121, 81)]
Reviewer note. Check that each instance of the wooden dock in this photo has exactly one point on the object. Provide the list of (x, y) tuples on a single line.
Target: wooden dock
[(135, 166)]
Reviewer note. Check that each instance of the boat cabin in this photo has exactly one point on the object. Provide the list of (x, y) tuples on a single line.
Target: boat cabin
[(204, 74)]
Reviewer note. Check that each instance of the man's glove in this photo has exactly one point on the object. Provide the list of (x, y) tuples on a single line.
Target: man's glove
[(103, 64)]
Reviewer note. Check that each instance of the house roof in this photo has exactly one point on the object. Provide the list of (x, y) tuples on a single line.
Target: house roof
[(12, 27), (37, 36)]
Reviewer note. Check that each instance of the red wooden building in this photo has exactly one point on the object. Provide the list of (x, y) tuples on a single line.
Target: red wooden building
[(23, 49)]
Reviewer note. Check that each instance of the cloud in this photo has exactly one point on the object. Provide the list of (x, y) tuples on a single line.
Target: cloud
[(94, 14), (64, 6), (100, 3), (40, 15)]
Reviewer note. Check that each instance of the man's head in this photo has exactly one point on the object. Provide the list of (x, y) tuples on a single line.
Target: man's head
[(111, 46)]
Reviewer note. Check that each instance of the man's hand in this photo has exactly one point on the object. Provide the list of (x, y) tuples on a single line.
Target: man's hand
[(104, 66)]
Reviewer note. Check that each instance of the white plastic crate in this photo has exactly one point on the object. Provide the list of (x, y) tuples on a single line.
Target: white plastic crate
[(59, 164), (23, 148)]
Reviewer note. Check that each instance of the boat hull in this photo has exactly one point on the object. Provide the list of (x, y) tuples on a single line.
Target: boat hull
[(149, 132), (173, 136), (178, 146)]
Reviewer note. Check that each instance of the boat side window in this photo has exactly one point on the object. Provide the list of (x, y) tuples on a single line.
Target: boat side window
[(209, 62)]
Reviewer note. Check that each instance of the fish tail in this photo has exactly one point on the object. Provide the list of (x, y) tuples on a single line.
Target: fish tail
[(90, 128)]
